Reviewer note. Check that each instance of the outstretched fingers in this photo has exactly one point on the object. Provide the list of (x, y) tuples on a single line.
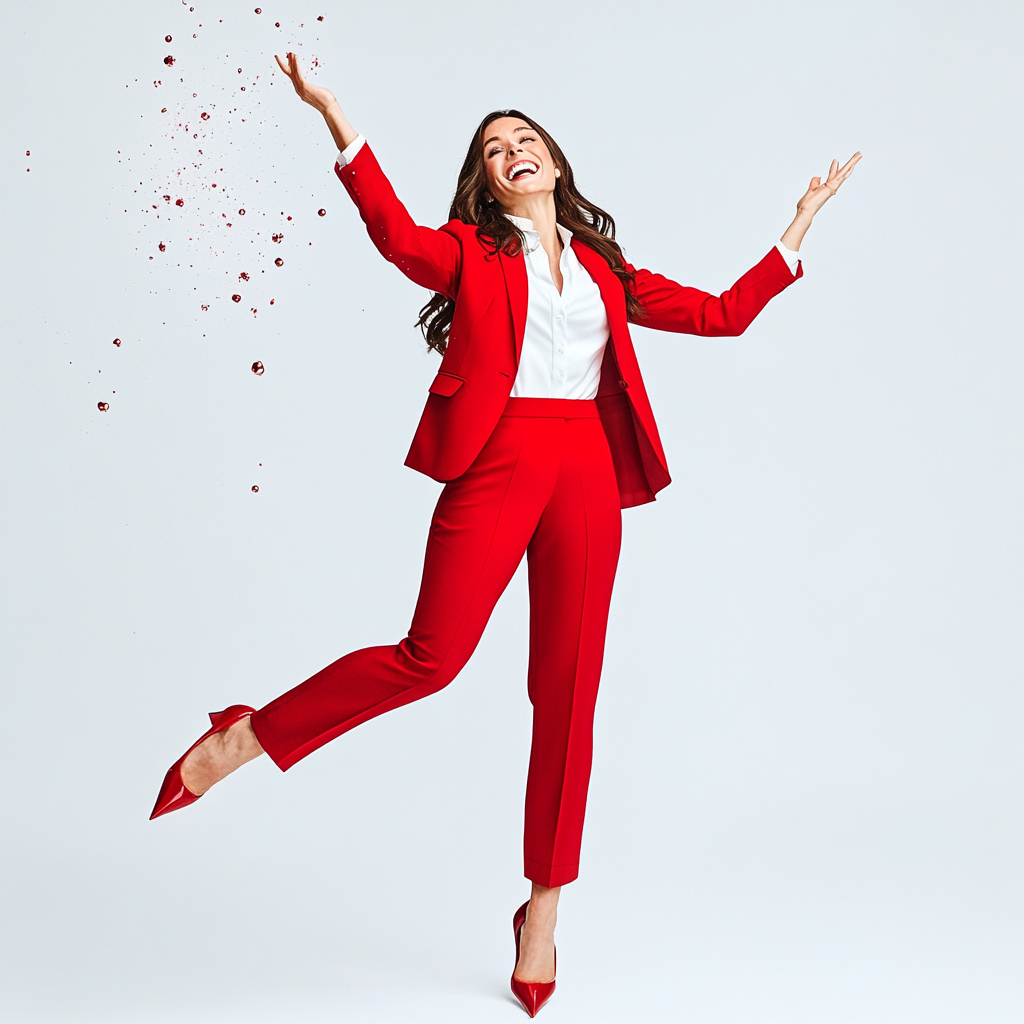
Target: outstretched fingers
[(837, 175)]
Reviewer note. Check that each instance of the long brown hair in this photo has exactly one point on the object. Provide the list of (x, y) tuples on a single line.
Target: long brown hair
[(472, 205)]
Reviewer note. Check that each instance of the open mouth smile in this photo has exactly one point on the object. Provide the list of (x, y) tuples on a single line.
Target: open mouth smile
[(521, 168)]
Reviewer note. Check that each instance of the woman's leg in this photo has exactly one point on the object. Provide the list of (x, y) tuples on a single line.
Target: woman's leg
[(481, 528), (573, 556)]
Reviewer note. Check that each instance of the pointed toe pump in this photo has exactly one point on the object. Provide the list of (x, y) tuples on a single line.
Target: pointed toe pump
[(532, 994), (173, 793)]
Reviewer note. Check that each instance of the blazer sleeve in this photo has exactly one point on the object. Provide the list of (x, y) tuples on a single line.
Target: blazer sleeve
[(430, 257), (674, 307)]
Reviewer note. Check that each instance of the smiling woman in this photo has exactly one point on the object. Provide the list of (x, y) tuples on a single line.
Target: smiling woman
[(515, 169), (540, 428)]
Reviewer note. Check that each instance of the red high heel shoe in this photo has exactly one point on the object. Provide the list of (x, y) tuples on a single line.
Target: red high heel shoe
[(173, 793), (532, 994)]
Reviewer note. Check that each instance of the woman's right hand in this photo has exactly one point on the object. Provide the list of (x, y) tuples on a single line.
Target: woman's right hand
[(323, 99), (315, 95)]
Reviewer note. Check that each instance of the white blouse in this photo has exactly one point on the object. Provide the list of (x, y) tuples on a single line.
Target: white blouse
[(565, 332)]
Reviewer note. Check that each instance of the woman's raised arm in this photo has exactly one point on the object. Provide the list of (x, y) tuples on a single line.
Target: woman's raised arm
[(432, 258), (322, 99), (672, 307)]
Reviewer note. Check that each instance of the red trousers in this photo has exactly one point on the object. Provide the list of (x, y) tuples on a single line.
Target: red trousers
[(544, 484)]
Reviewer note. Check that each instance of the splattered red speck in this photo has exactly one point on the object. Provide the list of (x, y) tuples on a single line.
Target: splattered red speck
[(205, 116), (322, 212), (236, 298), (27, 153), (255, 488), (103, 406), (117, 342), (241, 213), (257, 368), (259, 10), (167, 39), (243, 276), (320, 18), (277, 24), (179, 202), (162, 247), (279, 262), (276, 238), (169, 60)]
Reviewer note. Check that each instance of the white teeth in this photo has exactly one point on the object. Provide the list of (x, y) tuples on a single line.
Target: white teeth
[(522, 166)]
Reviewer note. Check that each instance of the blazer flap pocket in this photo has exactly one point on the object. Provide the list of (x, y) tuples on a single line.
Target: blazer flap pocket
[(446, 384)]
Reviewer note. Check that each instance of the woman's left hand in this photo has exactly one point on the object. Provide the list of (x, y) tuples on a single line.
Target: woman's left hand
[(820, 192)]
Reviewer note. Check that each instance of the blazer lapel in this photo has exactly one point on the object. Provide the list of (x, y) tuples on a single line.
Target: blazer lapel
[(514, 269), (607, 283)]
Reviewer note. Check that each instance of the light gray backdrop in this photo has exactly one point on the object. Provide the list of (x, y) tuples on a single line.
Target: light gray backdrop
[(806, 796)]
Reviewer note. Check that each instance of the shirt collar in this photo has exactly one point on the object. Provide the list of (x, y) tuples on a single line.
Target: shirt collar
[(526, 225)]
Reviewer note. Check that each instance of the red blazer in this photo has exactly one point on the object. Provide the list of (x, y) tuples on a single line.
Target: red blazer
[(475, 379)]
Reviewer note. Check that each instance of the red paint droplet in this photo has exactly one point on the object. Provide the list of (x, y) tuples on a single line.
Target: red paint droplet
[(279, 262), (179, 202), (117, 342), (322, 212), (243, 276), (276, 238), (257, 368), (289, 218), (320, 18), (241, 213), (204, 309), (167, 39), (162, 247), (169, 60), (271, 301), (103, 406), (277, 24), (213, 184), (259, 10), (239, 70), (254, 489), (205, 116), (236, 298), (27, 153)]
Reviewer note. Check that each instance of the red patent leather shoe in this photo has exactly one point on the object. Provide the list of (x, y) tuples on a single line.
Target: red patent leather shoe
[(173, 794), (532, 994)]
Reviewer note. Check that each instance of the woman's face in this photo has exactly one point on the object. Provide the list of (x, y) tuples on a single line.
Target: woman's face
[(517, 162)]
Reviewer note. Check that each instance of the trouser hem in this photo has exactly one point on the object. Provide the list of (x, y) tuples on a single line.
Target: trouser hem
[(550, 875)]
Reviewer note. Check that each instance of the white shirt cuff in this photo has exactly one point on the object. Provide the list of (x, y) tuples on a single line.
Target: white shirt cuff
[(792, 258), (347, 155)]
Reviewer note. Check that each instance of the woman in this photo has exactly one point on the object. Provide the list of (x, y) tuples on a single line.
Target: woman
[(539, 425)]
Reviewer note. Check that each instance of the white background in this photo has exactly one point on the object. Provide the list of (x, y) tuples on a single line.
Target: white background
[(805, 804)]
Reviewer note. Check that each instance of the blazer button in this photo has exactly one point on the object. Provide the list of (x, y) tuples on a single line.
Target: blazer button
[(623, 385)]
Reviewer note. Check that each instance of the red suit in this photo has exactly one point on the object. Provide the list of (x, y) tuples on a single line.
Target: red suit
[(545, 477)]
